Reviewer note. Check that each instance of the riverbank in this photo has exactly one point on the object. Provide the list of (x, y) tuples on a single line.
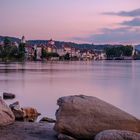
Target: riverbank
[(102, 121), (28, 131)]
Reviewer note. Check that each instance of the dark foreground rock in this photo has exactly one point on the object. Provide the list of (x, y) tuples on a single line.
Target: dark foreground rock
[(28, 131), (82, 117), (117, 135), (6, 115), (8, 95)]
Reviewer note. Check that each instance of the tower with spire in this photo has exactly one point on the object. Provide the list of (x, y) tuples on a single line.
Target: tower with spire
[(23, 40)]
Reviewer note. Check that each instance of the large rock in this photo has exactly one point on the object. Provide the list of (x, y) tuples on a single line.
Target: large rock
[(6, 115), (117, 135), (82, 117)]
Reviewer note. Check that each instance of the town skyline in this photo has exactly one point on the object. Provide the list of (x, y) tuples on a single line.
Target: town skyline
[(76, 21)]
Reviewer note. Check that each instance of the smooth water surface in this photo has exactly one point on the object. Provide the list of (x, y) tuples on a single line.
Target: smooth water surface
[(39, 84)]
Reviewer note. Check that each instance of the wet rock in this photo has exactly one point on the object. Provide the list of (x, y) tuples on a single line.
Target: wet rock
[(117, 135), (65, 137), (82, 117), (49, 120), (6, 115), (8, 95), (24, 114), (30, 112)]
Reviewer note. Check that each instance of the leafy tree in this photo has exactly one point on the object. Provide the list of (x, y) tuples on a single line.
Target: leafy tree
[(67, 56), (49, 55), (128, 50), (21, 51), (119, 51), (11, 52), (35, 55), (7, 42), (43, 53)]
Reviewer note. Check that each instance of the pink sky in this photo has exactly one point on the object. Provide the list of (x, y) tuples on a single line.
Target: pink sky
[(69, 20)]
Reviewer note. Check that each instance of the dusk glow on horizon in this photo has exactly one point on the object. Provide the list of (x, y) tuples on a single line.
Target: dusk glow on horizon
[(82, 21)]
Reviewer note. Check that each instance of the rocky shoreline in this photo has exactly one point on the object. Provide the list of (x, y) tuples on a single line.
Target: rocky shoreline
[(28, 131), (79, 117)]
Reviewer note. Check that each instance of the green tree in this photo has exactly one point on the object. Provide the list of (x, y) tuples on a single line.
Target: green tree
[(67, 56), (43, 53), (35, 55), (7, 42), (118, 51), (21, 51), (49, 55)]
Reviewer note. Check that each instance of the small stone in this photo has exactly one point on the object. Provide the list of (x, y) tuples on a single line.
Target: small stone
[(15, 105), (49, 120), (8, 95), (65, 137)]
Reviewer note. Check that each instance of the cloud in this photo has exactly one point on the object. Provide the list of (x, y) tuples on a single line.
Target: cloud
[(133, 13), (129, 32), (133, 22), (119, 35)]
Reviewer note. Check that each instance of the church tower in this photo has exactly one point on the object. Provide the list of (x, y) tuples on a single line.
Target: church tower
[(134, 51), (23, 40)]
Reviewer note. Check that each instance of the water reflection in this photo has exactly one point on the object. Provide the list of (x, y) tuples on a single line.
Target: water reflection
[(40, 84)]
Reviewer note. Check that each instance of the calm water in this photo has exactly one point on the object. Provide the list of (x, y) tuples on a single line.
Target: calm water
[(39, 85)]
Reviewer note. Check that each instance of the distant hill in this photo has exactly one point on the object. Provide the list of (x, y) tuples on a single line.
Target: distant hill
[(59, 44), (13, 39), (75, 45)]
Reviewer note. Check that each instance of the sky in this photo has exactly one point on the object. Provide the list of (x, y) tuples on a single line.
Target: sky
[(81, 21)]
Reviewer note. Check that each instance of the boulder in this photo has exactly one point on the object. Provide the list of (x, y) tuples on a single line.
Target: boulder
[(48, 120), (6, 115), (82, 117), (8, 95), (117, 135)]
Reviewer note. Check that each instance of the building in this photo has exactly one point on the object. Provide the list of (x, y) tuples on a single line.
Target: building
[(60, 51), (50, 47)]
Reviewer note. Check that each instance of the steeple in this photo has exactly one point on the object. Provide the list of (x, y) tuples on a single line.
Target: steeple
[(134, 51), (23, 39)]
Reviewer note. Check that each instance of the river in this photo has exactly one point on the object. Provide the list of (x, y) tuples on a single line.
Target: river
[(39, 84)]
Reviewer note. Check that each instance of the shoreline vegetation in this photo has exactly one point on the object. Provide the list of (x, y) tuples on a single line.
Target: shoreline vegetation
[(79, 117), (22, 50)]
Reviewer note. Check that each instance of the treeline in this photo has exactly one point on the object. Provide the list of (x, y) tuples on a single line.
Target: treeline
[(9, 51), (118, 52)]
